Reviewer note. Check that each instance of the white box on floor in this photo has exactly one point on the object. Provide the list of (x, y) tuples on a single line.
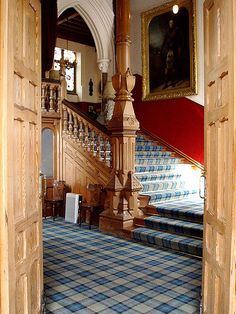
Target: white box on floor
[(73, 202)]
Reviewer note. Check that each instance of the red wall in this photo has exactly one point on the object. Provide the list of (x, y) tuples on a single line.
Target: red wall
[(180, 121)]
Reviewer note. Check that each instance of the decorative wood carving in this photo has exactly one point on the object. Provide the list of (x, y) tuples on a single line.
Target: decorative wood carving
[(81, 169), (122, 203)]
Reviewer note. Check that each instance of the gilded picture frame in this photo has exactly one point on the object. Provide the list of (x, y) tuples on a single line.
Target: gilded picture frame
[(169, 51)]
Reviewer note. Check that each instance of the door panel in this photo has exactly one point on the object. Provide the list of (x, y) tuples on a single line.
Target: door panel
[(219, 216), (22, 265)]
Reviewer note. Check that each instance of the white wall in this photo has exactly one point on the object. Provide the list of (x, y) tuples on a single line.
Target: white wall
[(137, 7), (87, 68)]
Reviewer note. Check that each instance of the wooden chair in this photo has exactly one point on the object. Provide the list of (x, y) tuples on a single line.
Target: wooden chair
[(89, 211), (54, 197)]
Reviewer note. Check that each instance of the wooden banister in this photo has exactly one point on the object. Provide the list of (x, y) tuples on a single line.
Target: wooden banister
[(90, 135), (75, 107)]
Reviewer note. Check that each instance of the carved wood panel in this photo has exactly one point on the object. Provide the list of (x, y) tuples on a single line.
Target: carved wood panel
[(219, 225), (22, 261), (79, 170)]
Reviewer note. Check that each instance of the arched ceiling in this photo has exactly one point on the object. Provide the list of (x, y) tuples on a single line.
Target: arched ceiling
[(99, 17), (71, 26)]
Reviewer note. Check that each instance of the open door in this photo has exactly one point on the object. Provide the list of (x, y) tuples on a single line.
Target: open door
[(20, 210), (220, 157)]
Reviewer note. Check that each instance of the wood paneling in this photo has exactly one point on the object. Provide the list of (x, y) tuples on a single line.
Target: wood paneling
[(220, 125), (80, 169), (21, 240)]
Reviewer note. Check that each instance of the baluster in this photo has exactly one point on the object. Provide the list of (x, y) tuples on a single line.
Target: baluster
[(98, 153), (102, 145), (81, 133), (105, 150), (92, 143), (75, 132), (65, 119), (86, 134), (43, 108), (51, 98), (109, 153), (70, 122), (110, 145), (59, 99)]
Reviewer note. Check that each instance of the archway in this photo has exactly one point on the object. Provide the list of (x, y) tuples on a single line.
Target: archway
[(99, 17)]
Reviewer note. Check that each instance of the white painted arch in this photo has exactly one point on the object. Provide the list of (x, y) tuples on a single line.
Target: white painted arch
[(99, 17)]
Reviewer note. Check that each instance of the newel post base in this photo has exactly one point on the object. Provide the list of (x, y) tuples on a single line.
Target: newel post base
[(122, 203)]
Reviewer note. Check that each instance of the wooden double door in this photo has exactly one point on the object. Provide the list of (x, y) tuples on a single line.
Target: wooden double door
[(20, 210)]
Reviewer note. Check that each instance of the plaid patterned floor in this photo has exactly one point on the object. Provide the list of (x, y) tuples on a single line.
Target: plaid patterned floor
[(89, 272)]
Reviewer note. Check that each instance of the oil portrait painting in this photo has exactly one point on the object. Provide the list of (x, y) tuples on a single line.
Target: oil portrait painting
[(169, 51)]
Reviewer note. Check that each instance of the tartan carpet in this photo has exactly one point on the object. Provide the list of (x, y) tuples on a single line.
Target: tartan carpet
[(89, 272), (172, 186)]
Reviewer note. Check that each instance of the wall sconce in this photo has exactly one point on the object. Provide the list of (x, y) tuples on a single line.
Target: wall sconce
[(90, 87)]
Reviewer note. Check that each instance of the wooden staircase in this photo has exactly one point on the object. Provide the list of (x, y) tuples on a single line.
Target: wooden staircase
[(173, 217)]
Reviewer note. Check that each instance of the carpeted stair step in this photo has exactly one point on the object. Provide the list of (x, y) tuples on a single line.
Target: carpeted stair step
[(154, 154), (189, 209), (174, 226), (169, 241), (149, 148), (158, 161), (160, 185), (154, 168), (155, 176), (168, 195), (144, 141)]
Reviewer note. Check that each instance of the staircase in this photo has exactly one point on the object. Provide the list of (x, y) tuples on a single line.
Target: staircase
[(174, 217)]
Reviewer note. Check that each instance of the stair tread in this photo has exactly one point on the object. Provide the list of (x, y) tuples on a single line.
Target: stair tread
[(158, 157), (175, 226), (154, 153), (195, 205), (170, 191), (179, 180), (189, 209), (167, 240), (171, 166), (161, 174), (154, 168), (166, 235), (175, 222)]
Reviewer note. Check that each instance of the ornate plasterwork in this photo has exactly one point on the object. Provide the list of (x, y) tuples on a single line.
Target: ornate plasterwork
[(103, 65)]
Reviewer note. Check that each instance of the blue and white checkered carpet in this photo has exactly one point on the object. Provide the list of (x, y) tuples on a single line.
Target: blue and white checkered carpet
[(89, 272)]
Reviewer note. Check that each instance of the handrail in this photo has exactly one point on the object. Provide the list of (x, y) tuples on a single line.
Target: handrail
[(88, 134), (74, 106), (176, 150)]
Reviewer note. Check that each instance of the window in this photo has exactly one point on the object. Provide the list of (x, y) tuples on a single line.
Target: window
[(47, 152), (70, 66)]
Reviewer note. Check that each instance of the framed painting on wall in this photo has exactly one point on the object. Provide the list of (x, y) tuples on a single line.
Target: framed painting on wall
[(169, 51)]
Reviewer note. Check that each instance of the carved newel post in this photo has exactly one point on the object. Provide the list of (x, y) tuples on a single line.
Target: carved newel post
[(121, 204)]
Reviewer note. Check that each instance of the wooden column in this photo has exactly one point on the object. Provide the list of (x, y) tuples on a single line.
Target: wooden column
[(122, 191)]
